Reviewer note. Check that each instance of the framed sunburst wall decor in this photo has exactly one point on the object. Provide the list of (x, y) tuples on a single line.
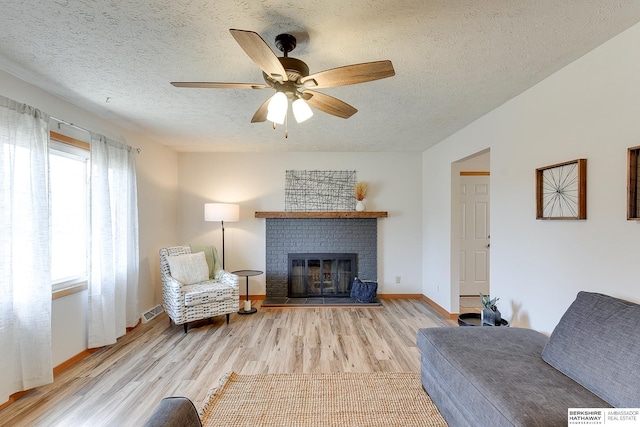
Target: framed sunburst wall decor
[(318, 190), (561, 190), (633, 184)]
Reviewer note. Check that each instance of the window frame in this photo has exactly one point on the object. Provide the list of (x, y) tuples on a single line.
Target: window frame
[(633, 184)]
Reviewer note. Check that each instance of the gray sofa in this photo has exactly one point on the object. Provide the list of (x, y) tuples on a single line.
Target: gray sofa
[(500, 376), (174, 412)]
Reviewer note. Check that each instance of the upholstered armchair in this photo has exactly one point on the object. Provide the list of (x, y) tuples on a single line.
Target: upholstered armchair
[(194, 285)]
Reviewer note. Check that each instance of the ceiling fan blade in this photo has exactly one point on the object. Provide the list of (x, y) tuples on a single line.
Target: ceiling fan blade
[(260, 53), (217, 85), (350, 74), (328, 104), (261, 113)]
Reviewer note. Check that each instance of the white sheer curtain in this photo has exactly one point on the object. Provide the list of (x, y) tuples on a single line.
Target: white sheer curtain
[(113, 259), (25, 262)]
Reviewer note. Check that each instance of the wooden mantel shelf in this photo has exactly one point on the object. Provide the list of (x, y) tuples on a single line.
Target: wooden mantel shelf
[(338, 214)]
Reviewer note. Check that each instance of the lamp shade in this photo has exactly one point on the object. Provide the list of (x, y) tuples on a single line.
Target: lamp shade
[(221, 212), (277, 108), (301, 110)]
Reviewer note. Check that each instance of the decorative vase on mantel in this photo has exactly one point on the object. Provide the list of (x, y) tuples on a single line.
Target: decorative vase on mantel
[(360, 191)]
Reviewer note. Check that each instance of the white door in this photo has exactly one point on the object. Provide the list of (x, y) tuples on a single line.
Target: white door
[(474, 235)]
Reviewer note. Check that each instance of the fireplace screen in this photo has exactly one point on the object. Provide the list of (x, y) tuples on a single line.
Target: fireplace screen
[(321, 275)]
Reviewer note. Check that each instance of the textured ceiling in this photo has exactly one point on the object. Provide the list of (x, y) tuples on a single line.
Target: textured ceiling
[(454, 61)]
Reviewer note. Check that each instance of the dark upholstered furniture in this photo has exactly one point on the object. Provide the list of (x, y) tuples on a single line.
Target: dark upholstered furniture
[(492, 376), (174, 412)]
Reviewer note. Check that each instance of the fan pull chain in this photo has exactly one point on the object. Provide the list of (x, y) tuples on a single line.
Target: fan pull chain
[(286, 124)]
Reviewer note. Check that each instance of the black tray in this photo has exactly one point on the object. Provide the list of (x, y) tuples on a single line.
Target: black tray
[(473, 319)]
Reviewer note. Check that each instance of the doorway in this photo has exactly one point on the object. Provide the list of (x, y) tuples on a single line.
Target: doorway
[(471, 230)]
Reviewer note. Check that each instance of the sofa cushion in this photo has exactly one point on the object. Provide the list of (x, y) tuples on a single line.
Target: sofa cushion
[(496, 377), (207, 292), (189, 268), (211, 255), (597, 344)]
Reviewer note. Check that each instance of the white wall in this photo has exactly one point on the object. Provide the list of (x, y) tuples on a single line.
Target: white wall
[(157, 195), (157, 179), (587, 110), (256, 182), (477, 163)]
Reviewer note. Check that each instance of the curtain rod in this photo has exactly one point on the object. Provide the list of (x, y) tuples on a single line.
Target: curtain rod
[(60, 121), (64, 122)]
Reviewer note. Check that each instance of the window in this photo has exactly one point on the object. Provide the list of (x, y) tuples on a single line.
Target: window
[(68, 177)]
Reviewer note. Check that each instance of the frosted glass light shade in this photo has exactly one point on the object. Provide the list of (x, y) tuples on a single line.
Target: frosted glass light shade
[(221, 212), (277, 108), (301, 110)]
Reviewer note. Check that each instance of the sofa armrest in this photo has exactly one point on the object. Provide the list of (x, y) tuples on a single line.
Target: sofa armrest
[(597, 343), (173, 283), (227, 278), (174, 412)]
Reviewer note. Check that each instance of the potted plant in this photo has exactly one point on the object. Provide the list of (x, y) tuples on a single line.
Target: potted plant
[(490, 314), (361, 194)]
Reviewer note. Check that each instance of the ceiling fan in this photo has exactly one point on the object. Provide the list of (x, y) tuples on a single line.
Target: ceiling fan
[(291, 80)]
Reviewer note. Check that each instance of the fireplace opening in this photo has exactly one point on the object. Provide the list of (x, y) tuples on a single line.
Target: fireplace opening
[(321, 275)]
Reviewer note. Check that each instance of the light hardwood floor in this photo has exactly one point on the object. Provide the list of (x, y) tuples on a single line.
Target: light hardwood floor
[(120, 385)]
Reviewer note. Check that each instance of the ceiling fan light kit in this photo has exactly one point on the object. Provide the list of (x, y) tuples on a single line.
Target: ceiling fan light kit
[(290, 79)]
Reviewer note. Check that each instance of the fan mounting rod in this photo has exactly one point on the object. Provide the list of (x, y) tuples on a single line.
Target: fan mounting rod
[(285, 43)]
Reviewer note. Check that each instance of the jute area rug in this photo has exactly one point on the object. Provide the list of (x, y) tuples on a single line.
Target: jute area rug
[(337, 399)]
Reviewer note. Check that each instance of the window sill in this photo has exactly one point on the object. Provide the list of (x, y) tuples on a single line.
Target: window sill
[(69, 290)]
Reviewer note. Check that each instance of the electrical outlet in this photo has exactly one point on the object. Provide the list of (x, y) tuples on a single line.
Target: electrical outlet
[(398, 278)]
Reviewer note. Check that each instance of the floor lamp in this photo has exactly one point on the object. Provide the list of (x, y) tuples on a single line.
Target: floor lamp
[(221, 212)]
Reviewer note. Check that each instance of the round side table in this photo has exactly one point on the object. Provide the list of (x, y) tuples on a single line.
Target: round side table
[(474, 319), (247, 303)]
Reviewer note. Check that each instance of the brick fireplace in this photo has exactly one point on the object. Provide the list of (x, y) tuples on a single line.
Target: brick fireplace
[(285, 236)]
